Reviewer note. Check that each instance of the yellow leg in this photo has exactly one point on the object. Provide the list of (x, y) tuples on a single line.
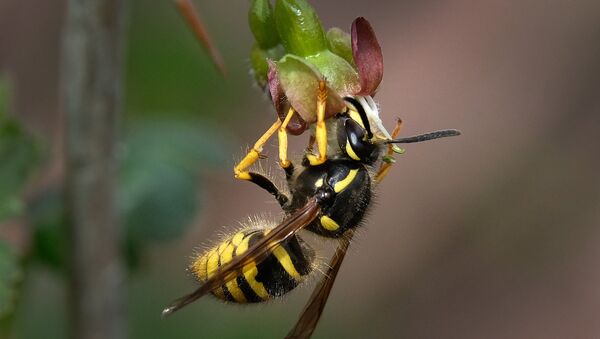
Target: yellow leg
[(283, 143), (241, 169), (321, 129), (386, 166)]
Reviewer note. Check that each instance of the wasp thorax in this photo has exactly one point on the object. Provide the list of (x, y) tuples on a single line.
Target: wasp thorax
[(279, 273)]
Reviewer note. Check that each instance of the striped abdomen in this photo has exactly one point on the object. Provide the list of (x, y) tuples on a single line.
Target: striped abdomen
[(278, 274)]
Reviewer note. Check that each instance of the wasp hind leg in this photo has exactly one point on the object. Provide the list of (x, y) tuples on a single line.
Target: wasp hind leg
[(321, 129)]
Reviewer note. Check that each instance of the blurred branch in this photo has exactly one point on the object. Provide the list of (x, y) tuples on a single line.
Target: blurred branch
[(92, 86), (190, 14)]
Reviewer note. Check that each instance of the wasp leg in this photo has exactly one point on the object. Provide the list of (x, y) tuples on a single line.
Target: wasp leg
[(241, 169), (285, 163), (266, 184), (321, 129), (311, 144), (386, 166), (306, 324), (283, 141)]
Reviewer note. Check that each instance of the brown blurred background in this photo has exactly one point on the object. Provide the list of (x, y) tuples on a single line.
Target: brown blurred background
[(490, 235)]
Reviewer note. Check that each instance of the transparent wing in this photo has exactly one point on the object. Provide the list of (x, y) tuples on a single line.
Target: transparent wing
[(316, 304), (256, 253)]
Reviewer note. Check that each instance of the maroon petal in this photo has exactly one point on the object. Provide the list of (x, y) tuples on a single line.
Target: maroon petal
[(297, 125), (367, 56), (277, 94)]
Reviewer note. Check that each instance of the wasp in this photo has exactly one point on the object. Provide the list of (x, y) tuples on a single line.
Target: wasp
[(330, 199)]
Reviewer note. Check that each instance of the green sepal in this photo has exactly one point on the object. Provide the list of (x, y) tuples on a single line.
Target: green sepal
[(300, 82), (340, 43), (262, 24), (299, 28)]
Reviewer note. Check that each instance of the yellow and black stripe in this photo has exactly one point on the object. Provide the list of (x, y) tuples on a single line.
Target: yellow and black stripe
[(278, 274)]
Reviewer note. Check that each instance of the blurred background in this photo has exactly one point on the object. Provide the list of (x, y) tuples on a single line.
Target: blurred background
[(490, 235)]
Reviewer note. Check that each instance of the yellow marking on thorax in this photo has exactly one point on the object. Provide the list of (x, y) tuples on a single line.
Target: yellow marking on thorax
[(340, 185), (319, 183), (286, 262), (356, 117), (329, 224), (351, 152), (250, 271), (231, 284)]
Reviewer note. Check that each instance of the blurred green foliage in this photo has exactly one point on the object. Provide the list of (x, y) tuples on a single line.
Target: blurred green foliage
[(159, 181), (10, 277), (19, 155), (158, 188)]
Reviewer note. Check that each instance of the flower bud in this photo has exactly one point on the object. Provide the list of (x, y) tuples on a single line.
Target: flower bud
[(299, 28), (262, 24), (340, 44)]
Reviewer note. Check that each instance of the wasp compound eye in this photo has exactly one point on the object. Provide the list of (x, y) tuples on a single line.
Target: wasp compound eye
[(356, 145)]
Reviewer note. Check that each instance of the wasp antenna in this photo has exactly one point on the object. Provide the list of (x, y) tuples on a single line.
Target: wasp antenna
[(424, 137)]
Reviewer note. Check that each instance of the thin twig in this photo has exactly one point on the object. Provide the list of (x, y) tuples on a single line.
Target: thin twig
[(190, 14), (91, 75)]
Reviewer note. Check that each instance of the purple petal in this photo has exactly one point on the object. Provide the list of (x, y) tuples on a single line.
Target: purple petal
[(367, 56)]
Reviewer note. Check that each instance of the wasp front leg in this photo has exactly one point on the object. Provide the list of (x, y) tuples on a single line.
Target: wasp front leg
[(321, 128), (283, 141), (386, 166), (241, 169)]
